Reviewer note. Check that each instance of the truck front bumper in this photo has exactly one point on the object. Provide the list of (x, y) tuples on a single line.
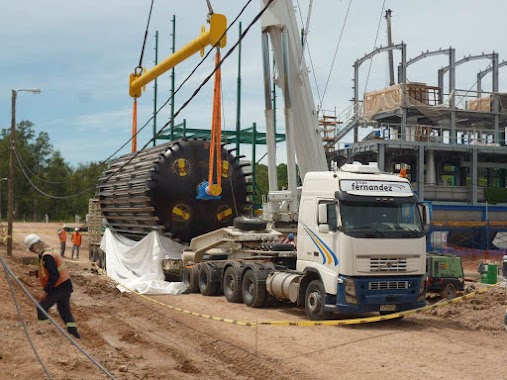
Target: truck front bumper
[(377, 294)]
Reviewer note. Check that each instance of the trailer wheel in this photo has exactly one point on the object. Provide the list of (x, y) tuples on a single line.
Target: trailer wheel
[(254, 294), (314, 300), (448, 292), (207, 286), (232, 286), (249, 224), (190, 279)]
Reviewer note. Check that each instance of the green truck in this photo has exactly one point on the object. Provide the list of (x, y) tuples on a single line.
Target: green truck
[(444, 275)]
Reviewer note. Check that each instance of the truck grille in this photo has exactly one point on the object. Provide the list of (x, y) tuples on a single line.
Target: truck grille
[(368, 264), (383, 264), (387, 285)]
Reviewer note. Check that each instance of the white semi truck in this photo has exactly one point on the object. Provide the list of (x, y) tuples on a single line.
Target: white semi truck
[(360, 248), (360, 233)]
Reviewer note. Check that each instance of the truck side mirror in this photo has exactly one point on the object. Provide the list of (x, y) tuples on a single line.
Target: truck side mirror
[(322, 213)]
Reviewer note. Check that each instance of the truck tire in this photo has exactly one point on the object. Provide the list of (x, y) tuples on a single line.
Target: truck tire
[(254, 294), (249, 224), (448, 292), (190, 279), (207, 285), (232, 285), (314, 301)]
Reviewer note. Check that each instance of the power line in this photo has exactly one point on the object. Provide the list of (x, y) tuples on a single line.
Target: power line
[(335, 53), (309, 56), (18, 158), (21, 162), (178, 89), (194, 94)]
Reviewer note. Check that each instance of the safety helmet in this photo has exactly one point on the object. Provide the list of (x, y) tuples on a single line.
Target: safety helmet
[(76, 229), (291, 236), (30, 240)]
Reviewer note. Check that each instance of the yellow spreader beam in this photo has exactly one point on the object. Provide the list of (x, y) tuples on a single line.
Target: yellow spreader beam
[(213, 36)]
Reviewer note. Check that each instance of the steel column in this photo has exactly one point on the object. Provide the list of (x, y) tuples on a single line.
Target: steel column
[(269, 114)]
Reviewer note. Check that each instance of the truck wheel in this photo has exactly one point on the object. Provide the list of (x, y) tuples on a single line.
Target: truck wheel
[(232, 286), (448, 292), (254, 295), (207, 286), (249, 224), (314, 301), (189, 279)]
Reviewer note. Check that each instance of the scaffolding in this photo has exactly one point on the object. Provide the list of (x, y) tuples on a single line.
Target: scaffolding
[(328, 123)]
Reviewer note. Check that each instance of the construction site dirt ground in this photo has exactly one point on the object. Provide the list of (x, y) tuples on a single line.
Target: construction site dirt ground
[(135, 338)]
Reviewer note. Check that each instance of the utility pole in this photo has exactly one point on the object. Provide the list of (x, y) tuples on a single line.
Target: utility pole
[(390, 44), (10, 182), (10, 213)]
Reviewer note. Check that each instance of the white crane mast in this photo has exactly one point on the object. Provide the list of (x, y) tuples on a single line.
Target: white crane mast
[(302, 132)]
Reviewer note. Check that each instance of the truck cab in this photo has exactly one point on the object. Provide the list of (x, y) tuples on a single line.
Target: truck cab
[(362, 233)]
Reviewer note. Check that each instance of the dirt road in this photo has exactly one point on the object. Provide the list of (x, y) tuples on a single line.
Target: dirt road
[(135, 338)]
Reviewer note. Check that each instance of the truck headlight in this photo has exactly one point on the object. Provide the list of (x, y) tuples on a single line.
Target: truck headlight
[(350, 287)]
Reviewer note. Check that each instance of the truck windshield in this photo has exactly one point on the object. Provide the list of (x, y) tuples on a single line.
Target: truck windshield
[(381, 219)]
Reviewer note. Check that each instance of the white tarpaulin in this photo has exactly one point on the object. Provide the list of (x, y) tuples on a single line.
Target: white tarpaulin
[(137, 265)]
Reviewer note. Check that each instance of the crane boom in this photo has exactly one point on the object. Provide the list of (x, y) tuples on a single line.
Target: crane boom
[(279, 17)]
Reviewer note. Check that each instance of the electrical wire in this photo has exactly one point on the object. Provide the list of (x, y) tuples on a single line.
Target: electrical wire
[(194, 94), (309, 57), (16, 154), (178, 89), (335, 54), (23, 323), (374, 44), (58, 327), (140, 129), (40, 178)]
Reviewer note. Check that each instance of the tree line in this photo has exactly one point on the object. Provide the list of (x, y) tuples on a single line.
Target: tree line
[(50, 173)]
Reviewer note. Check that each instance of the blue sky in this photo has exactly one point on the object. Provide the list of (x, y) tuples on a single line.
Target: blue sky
[(80, 53)]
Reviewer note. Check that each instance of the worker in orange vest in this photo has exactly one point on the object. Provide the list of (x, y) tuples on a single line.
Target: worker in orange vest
[(62, 237), (76, 240), (54, 278)]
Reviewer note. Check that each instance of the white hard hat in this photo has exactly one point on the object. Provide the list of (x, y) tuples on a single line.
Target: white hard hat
[(30, 240), (76, 229)]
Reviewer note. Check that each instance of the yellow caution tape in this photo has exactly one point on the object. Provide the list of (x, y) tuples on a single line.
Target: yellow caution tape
[(345, 322), (357, 321)]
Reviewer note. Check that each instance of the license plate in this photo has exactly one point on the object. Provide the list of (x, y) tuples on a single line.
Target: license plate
[(387, 307)]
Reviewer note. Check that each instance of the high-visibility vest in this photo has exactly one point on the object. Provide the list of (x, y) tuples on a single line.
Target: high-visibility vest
[(63, 236), (76, 238), (60, 265)]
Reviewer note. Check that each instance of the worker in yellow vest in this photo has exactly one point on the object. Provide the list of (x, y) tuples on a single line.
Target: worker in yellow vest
[(54, 278), (76, 240)]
